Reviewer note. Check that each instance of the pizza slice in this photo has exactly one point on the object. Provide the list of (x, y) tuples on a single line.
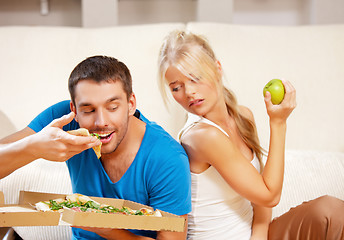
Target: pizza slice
[(85, 132), (81, 203), (76, 202)]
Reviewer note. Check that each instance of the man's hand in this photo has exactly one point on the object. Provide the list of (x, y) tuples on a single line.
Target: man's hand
[(52, 143), (114, 234), (118, 234)]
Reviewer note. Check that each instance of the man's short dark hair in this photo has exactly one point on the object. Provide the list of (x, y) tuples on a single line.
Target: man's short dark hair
[(98, 69)]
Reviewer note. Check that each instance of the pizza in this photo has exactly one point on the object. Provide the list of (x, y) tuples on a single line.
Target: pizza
[(82, 203), (85, 132)]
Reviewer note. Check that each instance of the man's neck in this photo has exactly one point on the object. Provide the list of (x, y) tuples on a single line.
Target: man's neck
[(118, 162)]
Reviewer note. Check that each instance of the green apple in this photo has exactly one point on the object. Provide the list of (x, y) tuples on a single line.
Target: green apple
[(276, 89)]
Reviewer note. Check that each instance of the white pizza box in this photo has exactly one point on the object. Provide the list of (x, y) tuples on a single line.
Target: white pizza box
[(168, 221)]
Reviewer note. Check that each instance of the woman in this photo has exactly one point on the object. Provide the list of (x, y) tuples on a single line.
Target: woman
[(230, 193)]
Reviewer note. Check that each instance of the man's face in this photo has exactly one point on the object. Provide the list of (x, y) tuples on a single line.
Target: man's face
[(103, 108)]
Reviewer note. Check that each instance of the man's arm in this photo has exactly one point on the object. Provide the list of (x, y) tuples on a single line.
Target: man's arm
[(261, 222), (52, 143), (118, 234), (14, 151)]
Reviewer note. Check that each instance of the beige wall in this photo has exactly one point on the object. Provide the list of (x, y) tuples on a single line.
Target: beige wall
[(270, 12), (28, 12), (288, 12), (326, 11), (152, 11), (90, 13)]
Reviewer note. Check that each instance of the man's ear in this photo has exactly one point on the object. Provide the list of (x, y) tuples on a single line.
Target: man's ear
[(73, 109), (132, 104)]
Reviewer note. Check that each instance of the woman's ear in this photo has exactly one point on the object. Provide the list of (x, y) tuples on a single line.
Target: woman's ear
[(220, 72), (219, 66)]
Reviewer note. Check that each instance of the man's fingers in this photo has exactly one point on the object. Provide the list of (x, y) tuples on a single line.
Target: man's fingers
[(80, 140), (76, 149), (69, 150), (64, 120), (72, 149)]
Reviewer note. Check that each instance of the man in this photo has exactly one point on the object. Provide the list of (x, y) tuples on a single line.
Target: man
[(139, 160)]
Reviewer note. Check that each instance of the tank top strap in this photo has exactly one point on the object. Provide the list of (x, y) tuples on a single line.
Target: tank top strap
[(204, 120), (192, 120)]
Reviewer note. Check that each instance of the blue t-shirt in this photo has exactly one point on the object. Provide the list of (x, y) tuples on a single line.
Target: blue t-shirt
[(159, 176)]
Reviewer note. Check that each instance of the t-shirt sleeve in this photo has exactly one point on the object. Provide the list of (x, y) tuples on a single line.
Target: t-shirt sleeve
[(170, 183), (49, 114)]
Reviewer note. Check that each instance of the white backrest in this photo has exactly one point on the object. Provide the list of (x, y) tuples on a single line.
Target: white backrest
[(311, 57), (36, 62)]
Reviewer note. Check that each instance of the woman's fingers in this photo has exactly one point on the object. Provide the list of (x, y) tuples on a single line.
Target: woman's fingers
[(290, 94)]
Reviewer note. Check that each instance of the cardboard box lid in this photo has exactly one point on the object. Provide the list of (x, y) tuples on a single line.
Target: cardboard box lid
[(119, 221), (11, 219), (25, 215), (168, 221), (31, 198), (2, 199)]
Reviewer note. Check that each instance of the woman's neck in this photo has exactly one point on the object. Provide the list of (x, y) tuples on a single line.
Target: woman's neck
[(219, 115)]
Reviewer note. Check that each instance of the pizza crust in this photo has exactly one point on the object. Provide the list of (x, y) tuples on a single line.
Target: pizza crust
[(85, 132)]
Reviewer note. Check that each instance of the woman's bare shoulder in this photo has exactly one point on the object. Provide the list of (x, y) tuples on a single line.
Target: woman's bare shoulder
[(202, 143), (202, 135)]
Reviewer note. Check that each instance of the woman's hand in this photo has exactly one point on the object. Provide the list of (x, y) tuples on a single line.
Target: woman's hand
[(279, 113)]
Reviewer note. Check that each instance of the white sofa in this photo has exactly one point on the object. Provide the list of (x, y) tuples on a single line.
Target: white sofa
[(35, 63)]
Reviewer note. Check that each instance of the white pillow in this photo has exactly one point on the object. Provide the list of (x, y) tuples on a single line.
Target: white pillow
[(308, 175), (39, 176)]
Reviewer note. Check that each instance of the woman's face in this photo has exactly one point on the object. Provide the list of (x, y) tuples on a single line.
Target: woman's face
[(195, 96)]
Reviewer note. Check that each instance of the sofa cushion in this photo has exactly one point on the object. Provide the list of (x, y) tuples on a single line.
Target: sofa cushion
[(308, 175), (7, 127), (38, 176)]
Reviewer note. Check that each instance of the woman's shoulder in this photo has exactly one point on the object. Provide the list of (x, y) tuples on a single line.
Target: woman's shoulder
[(201, 134), (201, 142)]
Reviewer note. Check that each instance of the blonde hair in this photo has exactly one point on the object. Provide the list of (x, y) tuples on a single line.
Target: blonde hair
[(192, 55)]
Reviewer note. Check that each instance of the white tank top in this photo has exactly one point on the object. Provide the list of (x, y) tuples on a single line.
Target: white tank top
[(218, 212)]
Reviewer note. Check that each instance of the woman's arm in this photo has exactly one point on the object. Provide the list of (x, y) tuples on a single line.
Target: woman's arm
[(208, 144), (261, 222), (261, 215)]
